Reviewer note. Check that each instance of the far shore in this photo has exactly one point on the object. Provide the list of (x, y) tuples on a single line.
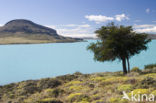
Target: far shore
[(22, 40)]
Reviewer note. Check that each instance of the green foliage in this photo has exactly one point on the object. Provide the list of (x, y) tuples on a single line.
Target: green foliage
[(154, 92), (98, 78), (140, 91), (117, 42), (136, 69), (76, 87), (48, 83), (49, 100), (150, 66), (73, 83), (78, 97), (116, 79), (67, 77), (54, 92), (118, 100), (114, 100), (99, 101), (27, 87), (125, 87), (147, 82)]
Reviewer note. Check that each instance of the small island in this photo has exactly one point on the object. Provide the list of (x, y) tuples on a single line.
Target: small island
[(21, 31)]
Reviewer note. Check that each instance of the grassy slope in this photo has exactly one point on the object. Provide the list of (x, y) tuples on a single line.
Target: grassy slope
[(80, 88), (32, 39)]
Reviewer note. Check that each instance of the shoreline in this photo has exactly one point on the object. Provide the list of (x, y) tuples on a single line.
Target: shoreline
[(42, 42), (74, 87)]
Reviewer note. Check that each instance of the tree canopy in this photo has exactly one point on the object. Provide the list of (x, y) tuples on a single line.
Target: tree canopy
[(118, 42)]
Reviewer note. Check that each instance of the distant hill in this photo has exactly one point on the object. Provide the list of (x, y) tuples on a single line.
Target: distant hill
[(24, 31), (152, 36)]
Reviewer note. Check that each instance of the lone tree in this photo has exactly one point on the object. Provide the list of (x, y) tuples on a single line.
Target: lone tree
[(118, 42)]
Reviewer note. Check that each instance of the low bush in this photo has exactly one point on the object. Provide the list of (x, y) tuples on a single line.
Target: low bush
[(48, 83), (125, 87), (151, 70), (140, 91), (98, 79), (54, 92), (76, 87), (118, 100), (136, 69), (67, 78), (150, 66), (49, 100), (154, 92), (78, 97), (147, 82)]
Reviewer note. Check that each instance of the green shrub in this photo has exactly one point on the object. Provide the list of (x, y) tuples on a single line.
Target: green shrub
[(27, 87), (118, 100), (98, 101), (149, 70), (136, 69), (76, 87), (77, 73), (66, 78), (78, 97), (98, 78), (48, 83), (54, 92), (150, 66), (125, 87), (114, 100), (115, 79), (152, 75), (147, 82), (133, 74), (33, 98), (49, 100), (154, 92), (140, 91)]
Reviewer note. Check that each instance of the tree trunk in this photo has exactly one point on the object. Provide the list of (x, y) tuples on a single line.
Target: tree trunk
[(128, 65), (124, 65)]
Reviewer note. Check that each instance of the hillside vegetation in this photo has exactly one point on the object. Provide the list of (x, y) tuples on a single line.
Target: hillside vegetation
[(82, 88)]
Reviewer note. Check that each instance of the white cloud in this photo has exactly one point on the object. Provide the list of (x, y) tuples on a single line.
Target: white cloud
[(143, 26), (74, 30), (147, 10), (121, 17), (101, 18), (81, 35), (146, 28), (98, 18), (154, 21)]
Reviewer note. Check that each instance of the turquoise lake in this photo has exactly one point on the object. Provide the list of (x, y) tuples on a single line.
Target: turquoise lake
[(35, 61)]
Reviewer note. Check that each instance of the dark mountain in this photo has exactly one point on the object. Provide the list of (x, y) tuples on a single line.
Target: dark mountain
[(25, 31), (26, 26)]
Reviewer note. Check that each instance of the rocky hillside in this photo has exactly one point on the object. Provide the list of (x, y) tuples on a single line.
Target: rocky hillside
[(25, 31), (83, 88)]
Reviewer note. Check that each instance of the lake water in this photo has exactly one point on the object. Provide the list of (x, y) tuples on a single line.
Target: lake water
[(23, 62)]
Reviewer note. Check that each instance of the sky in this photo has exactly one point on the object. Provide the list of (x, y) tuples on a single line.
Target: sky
[(80, 18)]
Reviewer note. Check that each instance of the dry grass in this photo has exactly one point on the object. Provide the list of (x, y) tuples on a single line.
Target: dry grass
[(21, 40)]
